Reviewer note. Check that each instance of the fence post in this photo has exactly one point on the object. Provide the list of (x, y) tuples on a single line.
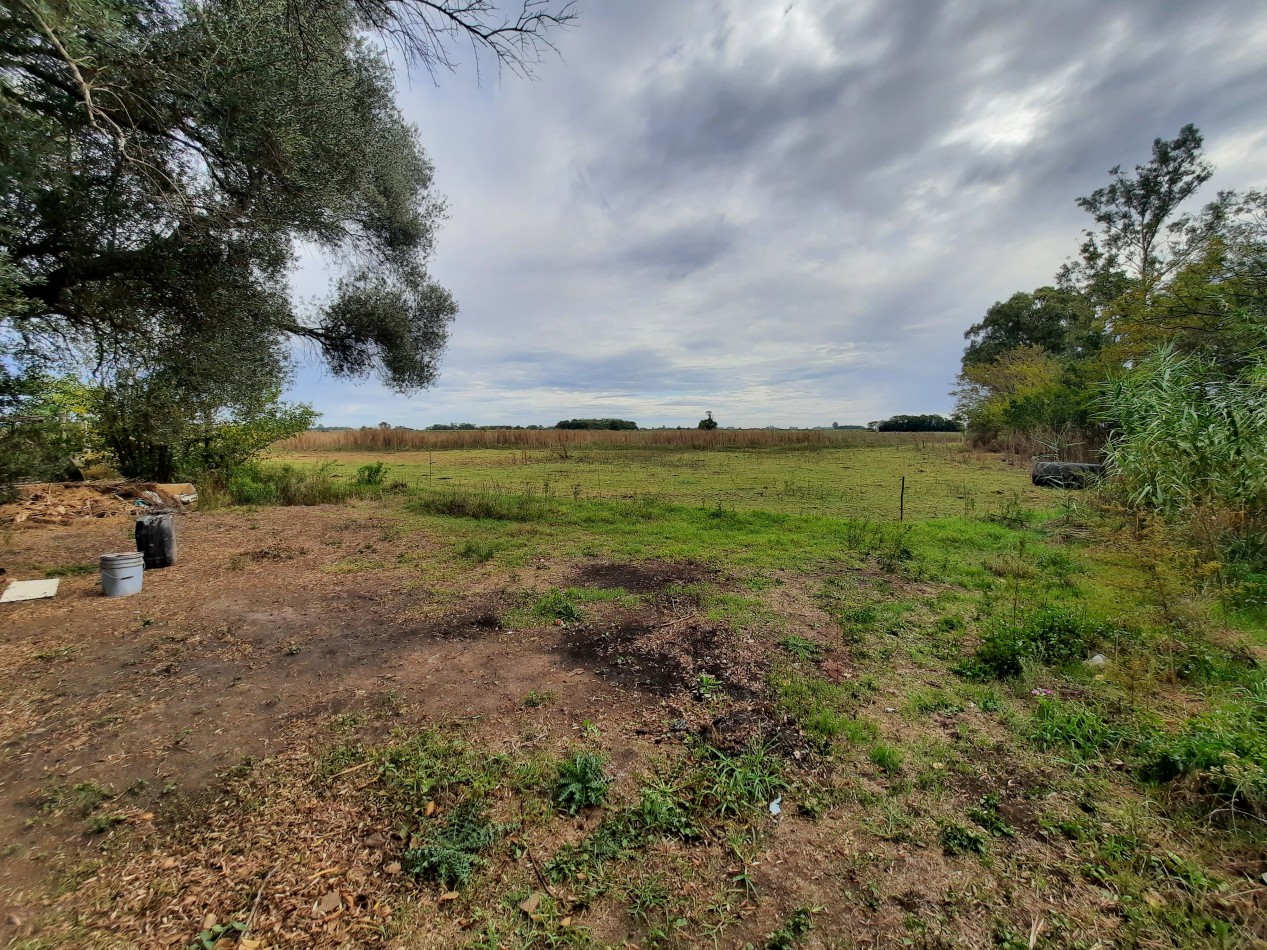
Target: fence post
[(901, 502)]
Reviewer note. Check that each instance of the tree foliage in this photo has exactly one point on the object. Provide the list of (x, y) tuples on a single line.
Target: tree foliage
[(614, 424), (162, 166), (925, 423), (1150, 273)]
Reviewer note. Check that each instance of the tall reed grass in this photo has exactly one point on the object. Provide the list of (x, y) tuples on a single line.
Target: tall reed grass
[(406, 440)]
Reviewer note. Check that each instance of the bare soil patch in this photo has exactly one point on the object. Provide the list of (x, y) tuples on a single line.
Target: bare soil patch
[(262, 635), (666, 657), (642, 578)]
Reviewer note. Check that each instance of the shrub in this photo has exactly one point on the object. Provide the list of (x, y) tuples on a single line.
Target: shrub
[(375, 473), (1054, 636), (262, 484)]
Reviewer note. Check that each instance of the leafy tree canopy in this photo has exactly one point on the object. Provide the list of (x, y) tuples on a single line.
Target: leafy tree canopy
[(162, 164), (925, 423), (596, 424)]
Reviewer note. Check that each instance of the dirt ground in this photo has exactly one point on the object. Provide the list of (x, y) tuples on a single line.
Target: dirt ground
[(158, 752), (258, 637)]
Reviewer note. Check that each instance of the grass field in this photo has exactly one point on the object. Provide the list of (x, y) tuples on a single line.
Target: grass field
[(942, 478), (662, 697)]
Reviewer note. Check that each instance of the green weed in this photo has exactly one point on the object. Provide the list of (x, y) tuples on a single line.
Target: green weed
[(823, 710), (1071, 727), (495, 506), (478, 551), (888, 758), (582, 783), (956, 839), (557, 605), (986, 814), (801, 648), (69, 570), (450, 854), (1054, 636), (792, 932)]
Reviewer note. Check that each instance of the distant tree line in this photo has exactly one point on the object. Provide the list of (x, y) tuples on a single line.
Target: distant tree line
[(926, 423), (613, 424)]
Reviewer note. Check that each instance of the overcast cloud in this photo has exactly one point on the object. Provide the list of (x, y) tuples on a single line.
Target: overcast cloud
[(787, 212)]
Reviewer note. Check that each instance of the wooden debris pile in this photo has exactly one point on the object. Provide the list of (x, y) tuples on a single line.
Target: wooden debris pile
[(63, 503)]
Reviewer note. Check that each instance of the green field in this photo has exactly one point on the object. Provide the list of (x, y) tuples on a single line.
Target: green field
[(1049, 714), (942, 477)]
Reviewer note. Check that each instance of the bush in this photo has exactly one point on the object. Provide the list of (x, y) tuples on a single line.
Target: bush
[(1054, 636), (375, 473), (287, 485)]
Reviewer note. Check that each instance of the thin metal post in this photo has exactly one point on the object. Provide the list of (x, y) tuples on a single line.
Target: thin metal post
[(901, 503)]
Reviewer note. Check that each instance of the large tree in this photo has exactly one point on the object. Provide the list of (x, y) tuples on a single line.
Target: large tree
[(161, 164)]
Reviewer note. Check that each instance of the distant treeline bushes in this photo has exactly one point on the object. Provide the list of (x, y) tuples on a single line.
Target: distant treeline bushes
[(616, 425), (928, 423)]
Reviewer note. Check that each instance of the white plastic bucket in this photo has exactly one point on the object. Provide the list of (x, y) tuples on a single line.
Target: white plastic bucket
[(121, 574)]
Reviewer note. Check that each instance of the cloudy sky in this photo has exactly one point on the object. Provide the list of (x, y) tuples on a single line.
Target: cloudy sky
[(787, 212)]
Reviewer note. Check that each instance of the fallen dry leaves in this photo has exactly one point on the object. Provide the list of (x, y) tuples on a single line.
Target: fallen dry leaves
[(306, 866)]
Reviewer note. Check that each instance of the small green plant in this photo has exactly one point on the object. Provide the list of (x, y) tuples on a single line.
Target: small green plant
[(792, 932), (100, 824), (451, 854), (211, 936), (582, 783), (482, 505), (801, 648), (374, 474), (708, 685), (537, 698), (1072, 727), (956, 839), (477, 551), (986, 814), (557, 605), (727, 784), (1055, 636), (823, 710), (70, 570), (888, 758)]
